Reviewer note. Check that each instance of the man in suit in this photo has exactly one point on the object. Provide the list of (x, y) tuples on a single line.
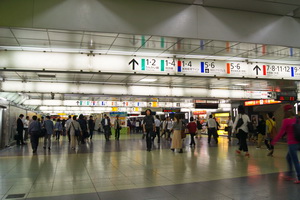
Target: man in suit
[(105, 122), (20, 128)]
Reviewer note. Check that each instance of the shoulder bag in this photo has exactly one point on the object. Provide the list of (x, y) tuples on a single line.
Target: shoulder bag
[(77, 132)]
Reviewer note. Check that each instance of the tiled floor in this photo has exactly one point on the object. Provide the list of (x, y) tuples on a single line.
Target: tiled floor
[(124, 170)]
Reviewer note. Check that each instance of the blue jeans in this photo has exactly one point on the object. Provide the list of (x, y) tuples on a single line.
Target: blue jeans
[(292, 159)]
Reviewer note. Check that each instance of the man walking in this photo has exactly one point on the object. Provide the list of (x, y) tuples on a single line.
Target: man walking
[(48, 125), (20, 129), (106, 126), (212, 129)]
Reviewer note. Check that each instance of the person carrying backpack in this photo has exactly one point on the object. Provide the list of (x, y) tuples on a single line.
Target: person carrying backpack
[(287, 127), (240, 127)]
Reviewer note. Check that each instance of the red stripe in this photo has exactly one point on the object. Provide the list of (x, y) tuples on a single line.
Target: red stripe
[(264, 70), (179, 63)]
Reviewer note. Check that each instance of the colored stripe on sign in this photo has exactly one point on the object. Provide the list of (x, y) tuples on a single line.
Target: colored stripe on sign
[(264, 70), (179, 66), (291, 52), (228, 68), (293, 71), (143, 64), (202, 67), (162, 65)]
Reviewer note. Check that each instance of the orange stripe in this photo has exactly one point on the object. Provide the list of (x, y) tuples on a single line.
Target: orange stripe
[(228, 68)]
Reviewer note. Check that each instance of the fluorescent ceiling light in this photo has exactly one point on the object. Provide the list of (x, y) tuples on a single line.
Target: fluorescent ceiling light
[(242, 84), (148, 80)]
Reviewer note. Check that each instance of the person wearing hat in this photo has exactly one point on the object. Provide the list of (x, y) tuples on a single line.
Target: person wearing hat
[(117, 127), (293, 145)]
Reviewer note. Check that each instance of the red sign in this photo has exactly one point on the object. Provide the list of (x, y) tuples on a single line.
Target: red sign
[(201, 112), (260, 102)]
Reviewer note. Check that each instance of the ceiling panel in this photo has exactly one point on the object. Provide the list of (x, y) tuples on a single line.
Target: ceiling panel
[(63, 44), (68, 37), (90, 39), (30, 34), (253, 6), (8, 41), (5, 32), (34, 43)]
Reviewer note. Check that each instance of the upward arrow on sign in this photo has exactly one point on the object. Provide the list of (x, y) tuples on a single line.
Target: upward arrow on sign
[(256, 68), (133, 62)]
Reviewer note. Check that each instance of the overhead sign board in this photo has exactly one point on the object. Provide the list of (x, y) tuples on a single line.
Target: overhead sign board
[(261, 102), (203, 67)]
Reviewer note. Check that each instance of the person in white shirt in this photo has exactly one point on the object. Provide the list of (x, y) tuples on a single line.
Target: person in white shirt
[(26, 125), (230, 124), (240, 127), (168, 125), (212, 129), (67, 125), (157, 128)]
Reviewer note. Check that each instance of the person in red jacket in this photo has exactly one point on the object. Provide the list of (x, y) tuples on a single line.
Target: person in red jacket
[(192, 127), (293, 144)]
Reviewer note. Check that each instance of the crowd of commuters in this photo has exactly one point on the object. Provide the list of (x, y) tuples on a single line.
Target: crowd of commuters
[(174, 130)]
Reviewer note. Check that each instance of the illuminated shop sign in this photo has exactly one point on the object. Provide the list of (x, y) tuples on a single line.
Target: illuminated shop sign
[(171, 110), (261, 102), (201, 112)]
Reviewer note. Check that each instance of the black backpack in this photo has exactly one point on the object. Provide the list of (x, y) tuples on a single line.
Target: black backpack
[(240, 122), (296, 128)]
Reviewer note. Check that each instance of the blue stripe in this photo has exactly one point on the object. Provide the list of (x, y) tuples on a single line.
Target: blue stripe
[(293, 71), (291, 52), (179, 68), (202, 67)]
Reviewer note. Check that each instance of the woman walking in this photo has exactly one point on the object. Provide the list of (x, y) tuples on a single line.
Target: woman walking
[(240, 127), (176, 138), (293, 144)]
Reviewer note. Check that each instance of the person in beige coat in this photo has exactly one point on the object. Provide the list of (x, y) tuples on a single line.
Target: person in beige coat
[(74, 125), (117, 127), (176, 138)]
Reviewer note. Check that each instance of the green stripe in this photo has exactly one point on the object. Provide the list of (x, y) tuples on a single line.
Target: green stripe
[(162, 65), (143, 64)]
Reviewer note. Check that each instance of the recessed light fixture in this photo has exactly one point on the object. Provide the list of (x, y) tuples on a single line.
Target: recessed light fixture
[(148, 80)]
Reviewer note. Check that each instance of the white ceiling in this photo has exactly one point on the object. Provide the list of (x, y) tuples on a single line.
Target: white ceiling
[(276, 7), (124, 44)]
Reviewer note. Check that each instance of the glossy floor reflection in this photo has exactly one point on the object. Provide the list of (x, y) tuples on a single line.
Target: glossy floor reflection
[(124, 170)]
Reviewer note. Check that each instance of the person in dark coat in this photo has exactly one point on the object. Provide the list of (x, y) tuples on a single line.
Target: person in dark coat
[(91, 126), (105, 122), (20, 128), (83, 125)]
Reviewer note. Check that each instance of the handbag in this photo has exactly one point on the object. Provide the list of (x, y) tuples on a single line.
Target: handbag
[(77, 132), (183, 131)]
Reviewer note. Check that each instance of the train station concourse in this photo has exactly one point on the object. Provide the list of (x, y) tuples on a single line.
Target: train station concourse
[(102, 65)]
